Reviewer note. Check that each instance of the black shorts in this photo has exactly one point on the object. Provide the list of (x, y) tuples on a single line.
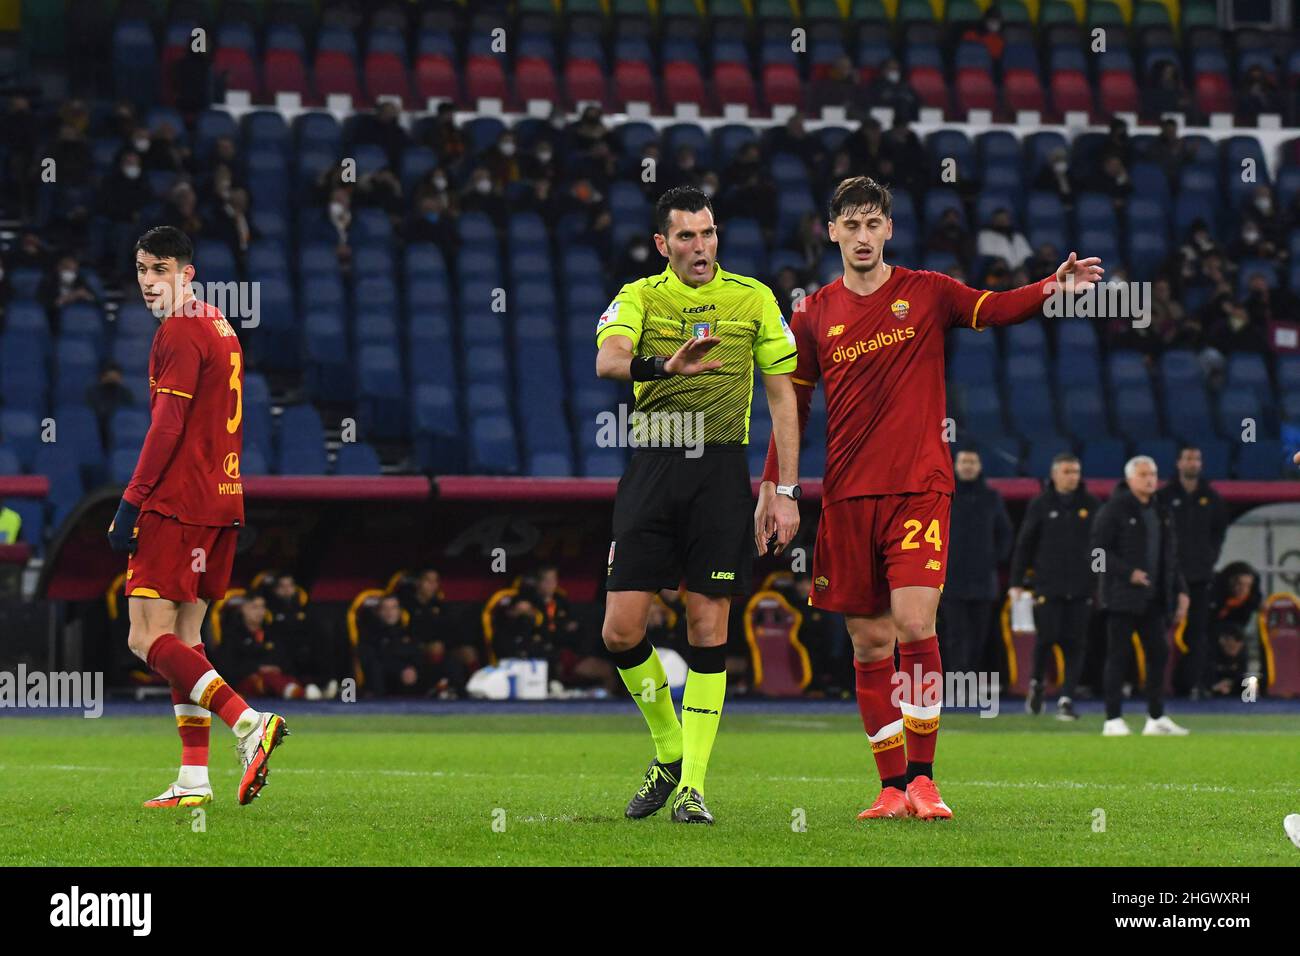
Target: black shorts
[(677, 517)]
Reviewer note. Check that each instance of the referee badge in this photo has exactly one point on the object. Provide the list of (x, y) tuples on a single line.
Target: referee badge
[(701, 330)]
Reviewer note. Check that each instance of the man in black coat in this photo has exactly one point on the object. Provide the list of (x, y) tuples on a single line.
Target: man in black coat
[(979, 538), (1201, 521), (1053, 559), (1141, 584)]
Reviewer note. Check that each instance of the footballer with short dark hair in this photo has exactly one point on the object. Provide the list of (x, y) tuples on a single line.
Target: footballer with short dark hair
[(875, 339), (180, 515)]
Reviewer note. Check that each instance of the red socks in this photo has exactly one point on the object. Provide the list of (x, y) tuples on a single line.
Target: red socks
[(881, 717), (190, 675), (922, 698), (192, 722)]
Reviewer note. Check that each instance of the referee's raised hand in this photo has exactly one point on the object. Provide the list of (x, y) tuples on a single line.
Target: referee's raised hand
[(689, 359)]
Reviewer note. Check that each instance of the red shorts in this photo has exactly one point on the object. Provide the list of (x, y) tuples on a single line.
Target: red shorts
[(868, 546), (180, 562)]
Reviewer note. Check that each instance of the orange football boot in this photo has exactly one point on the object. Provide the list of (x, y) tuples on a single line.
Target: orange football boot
[(892, 803), (923, 797)]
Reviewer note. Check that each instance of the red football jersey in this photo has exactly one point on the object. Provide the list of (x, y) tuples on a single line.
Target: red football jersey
[(880, 359), (189, 466)]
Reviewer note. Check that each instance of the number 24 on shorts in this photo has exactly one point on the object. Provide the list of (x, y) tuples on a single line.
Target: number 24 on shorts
[(914, 527)]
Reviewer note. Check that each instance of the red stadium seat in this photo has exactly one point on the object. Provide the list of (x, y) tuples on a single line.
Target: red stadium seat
[(1118, 92), (929, 85), (386, 76), (535, 80), (781, 86), (1213, 95), (485, 79), (1070, 91), (285, 73), (733, 83), (336, 72), (583, 80), (975, 90), (683, 84), (435, 76), (633, 82), (1022, 91), (237, 66)]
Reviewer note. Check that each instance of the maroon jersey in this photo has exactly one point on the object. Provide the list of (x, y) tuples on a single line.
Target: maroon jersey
[(189, 465), (880, 359)]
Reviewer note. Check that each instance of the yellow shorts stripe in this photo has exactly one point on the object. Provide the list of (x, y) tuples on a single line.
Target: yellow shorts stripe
[(799, 381), (143, 592)]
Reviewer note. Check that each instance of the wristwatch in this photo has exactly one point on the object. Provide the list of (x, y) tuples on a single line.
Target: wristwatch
[(790, 491)]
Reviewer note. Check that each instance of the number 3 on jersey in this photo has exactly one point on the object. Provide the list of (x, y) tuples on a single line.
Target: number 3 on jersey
[(232, 424), (914, 527)]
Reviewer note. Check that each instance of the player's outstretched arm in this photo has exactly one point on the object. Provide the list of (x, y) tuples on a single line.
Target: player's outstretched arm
[(1077, 275)]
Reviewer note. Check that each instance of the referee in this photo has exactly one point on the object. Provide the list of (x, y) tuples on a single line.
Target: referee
[(688, 339)]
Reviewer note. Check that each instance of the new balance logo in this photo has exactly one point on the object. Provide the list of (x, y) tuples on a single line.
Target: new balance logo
[(933, 565)]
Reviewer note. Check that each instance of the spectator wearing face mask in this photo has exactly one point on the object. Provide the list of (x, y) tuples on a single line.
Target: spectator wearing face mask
[(1054, 178), (540, 163), (182, 210), (889, 90), (124, 192), (64, 285), (988, 33), (1000, 240), (1234, 331), (231, 224), (1261, 210), (383, 128), (905, 152), (635, 260), (1251, 243), (429, 221), (502, 161), (481, 195), (1112, 180)]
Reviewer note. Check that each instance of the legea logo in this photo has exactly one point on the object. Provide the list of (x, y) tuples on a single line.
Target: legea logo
[(881, 340)]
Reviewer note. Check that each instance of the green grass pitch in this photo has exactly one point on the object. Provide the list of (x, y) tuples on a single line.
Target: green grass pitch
[(497, 789)]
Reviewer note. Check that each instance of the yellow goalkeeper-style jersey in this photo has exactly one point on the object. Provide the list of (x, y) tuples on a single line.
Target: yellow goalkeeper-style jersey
[(659, 313)]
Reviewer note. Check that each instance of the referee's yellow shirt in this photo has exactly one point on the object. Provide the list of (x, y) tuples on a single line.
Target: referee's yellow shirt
[(659, 313)]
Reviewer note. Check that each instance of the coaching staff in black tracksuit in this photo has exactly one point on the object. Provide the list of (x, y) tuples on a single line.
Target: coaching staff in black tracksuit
[(1053, 559), (1140, 586), (1201, 521), (980, 538)]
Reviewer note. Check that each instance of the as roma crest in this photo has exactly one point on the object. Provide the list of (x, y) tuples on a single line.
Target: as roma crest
[(900, 308)]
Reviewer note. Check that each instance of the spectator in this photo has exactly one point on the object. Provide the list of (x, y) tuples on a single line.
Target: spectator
[(1259, 92), (381, 189), (634, 263), (570, 657), (502, 161), (1166, 323), (390, 658), (161, 150), (684, 170), (1196, 251), (1252, 243), (1140, 586), (587, 202), (481, 195), (747, 190), (32, 252), (225, 159), (545, 201), (1266, 306), (1116, 144), (383, 128), (1200, 521), (1053, 559), (1054, 178), (429, 222), (18, 131), (950, 235), (812, 241), (989, 33), (867, 154), (231, 224), (1044, 260), (979, 539), (890, 91), (1164, 91), (107, 395), (588, 131), (794, 138), (192, 81), (540, 163), (453, 654), (65, 284), (445, 138), (254, 663), (998, 276), (1001, 240), (1235, 332), (790, 292), (182, 210), (307, 649), (838, 87), (1113, 180), (1228, 665), (907, 155), (1236, 597), (1169, 152), (339, 213), (124, 193), (1262, 211)]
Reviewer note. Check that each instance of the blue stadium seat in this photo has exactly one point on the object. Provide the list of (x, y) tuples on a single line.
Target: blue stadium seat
[(493, 448), (301, 446), (1103, 458), (1031, 408), (1262, 460), (1041, 451), (1188, 413), (1084, 413), (1235, 406), (357, 458), (1135, 412)]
